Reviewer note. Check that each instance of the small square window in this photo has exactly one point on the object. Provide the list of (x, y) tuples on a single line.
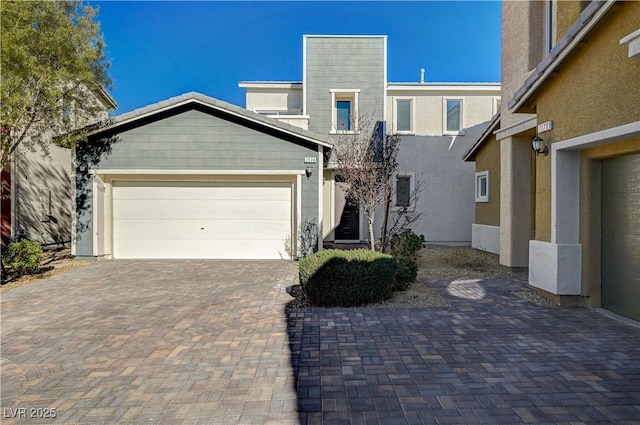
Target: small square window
[(482, 186), (403, 191), (453, 117), (403, 115)]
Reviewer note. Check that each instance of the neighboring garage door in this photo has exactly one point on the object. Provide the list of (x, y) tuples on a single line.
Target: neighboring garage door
[(220, 220), (621, 235)]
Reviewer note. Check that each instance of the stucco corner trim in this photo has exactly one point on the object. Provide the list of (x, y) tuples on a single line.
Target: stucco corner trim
[(555, 268), (633, 42)]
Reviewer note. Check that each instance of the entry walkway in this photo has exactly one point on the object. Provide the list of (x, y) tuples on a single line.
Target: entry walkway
[(208, 342)]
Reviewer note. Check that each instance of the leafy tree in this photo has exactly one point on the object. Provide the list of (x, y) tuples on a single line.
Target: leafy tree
[(53, 61)]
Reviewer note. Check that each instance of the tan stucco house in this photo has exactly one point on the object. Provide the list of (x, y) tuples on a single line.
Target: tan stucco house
[(570, 212)]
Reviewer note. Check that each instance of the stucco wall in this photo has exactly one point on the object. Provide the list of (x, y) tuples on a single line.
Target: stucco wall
[(429, 108), (597, 87), (281, 99), (42, 194), (447, 199), (195, 140), (488, 158)]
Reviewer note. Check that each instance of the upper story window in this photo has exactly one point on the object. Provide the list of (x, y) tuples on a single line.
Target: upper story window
[(343, 110), (453, 116), (549, 25), (403, 114)]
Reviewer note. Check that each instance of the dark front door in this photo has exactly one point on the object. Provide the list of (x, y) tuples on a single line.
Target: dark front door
[(349, 227)]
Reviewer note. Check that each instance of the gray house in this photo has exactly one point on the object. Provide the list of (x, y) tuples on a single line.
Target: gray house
[(194, 177)]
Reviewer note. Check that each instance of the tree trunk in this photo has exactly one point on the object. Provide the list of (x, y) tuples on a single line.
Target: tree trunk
[(372, 238), (385, 220)]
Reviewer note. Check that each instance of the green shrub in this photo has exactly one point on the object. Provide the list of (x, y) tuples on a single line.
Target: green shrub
[(335, 277), (406, 274), (406, 244), (23, 257)]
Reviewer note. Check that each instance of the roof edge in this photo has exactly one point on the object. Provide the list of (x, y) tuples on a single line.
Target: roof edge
[(491, 127), (213, 103)]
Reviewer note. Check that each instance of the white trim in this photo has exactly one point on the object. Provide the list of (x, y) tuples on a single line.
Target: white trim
[(320, 221), (609, 135), (295, 242), (351, 95), (555, 268), (479, 197), (270, 85), (412, 111), (118, 171), (633, 41), (460, 131), (304, 75), (449, 87), (74, 197), (384, 76), (517, 128)]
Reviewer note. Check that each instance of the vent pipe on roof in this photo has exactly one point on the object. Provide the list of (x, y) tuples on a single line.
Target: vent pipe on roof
[(421, 75)]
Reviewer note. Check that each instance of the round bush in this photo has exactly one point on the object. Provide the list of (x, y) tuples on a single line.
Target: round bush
[(335, 277), (23, 257), (406, 244), (407, 273)]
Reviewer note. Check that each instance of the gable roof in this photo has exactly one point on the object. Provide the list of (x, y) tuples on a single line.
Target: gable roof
[(470, 154), (589, 17), (198, 99)]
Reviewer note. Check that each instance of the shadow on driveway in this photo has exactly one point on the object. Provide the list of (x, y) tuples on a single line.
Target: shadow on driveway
[(490, 358)]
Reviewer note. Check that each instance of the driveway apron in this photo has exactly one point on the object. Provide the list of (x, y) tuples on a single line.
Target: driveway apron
[(206, 342)]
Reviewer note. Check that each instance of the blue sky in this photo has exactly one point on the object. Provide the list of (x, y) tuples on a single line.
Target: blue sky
[(163, 49)]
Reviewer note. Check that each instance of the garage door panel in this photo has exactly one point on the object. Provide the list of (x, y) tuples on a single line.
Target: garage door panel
[(201, 230), (182, 192), (201, 220), (202, 209), (223, 250)]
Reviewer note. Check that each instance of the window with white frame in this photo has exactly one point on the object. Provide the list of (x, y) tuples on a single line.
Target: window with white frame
[(405, 186), (452, 116), (482, 186), (403, 112), (344, 110)]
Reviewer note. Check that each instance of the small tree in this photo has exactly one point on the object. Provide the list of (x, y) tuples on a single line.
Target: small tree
[(403, 216), (52, 61), (366, 160)]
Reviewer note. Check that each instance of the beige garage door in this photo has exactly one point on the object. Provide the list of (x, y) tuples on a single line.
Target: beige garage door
[(201, 220)]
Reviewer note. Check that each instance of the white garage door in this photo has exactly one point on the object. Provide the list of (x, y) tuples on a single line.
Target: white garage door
[(201, 220)]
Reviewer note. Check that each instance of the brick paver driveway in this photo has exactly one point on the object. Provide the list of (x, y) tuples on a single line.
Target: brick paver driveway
[(211, 342)]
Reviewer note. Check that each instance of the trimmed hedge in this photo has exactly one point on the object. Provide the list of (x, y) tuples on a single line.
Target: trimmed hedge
[(334, 277)]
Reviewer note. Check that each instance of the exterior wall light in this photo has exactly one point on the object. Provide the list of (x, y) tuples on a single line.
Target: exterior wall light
[(536, 145), (308, 172)]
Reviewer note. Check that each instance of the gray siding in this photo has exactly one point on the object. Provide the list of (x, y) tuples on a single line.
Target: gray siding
[(195, 140), (344, 63)]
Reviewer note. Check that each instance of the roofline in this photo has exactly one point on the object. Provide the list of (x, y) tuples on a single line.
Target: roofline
[(212, 103), (444, 86), (589, 17), (270, 84), (102, 92), (342, 36), (488, 131)]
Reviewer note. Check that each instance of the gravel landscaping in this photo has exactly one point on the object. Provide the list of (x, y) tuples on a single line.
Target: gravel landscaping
[(438, 262)]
